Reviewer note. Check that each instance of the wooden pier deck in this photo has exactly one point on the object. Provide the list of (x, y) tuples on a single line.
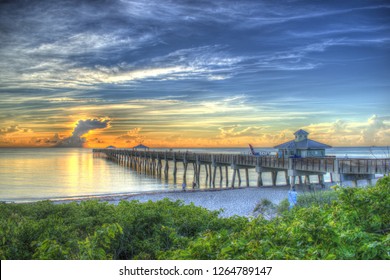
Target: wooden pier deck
[(157, 162)]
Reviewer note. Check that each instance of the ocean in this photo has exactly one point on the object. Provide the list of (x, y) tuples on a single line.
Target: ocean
[(33, 174)]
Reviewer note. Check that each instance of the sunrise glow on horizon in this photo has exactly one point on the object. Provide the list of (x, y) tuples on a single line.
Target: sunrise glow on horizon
[(193, 73)]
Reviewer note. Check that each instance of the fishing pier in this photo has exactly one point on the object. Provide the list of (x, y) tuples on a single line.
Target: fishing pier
[(213, 166)]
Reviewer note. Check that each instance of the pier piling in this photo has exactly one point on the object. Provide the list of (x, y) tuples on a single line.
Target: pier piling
[(151, 162)]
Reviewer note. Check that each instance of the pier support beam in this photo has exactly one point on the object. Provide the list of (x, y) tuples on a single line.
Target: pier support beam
[(247, 176), (321, 180), (212, 178), (292, 181), (159, 167), (166, 169), (259, 179), (259, 171), (198, 175), (220, 176), (174, 170), (194, 167), (207, 175), (214, 175), (185, 172), (287, 178), (307, 180), (227, 176), (355, 177), (234, 177), (274, 175), (239, 177)]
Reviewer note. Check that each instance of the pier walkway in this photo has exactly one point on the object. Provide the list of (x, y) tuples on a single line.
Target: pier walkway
[(157, 162)]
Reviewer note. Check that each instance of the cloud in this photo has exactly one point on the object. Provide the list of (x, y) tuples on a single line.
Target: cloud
[(343, 29), (296, 62), (272, 15), (377, 130), (134, 41), (82, 128), (13, 129), (236, 131), (87, 42), (72, 100), (320, 46), (295, 59), (45, 141), (132, 136), (374, 131), (338, 127), (278, 137), (97, 140), (206, 62)]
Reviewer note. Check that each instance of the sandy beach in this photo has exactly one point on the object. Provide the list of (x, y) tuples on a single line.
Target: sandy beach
[(239, 201)]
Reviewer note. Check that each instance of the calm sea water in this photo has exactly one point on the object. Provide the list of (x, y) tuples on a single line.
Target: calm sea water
[(55, 173)]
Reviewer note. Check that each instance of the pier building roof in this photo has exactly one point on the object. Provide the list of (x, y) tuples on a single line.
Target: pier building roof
[(301, 142), (110, 147), (303, 145), (141, 147)]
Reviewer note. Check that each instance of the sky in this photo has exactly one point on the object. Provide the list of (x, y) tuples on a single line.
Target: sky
[(177, 73)]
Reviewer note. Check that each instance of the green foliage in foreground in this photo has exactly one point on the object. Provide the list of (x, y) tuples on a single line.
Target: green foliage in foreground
[(318, 198), (308, 199), (354, 225), (96, 230)]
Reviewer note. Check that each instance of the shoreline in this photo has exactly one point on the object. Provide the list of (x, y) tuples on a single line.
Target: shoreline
[(232, 201), (239, 201)]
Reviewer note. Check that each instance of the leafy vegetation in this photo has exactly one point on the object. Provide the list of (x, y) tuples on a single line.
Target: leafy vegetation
[(266, 208), (318, 198), (352, 223), (269, 210)]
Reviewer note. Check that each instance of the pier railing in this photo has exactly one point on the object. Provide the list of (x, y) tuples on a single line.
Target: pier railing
[(315, 164), (364, 166)]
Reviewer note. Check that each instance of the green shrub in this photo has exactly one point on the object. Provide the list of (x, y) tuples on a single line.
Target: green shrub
[(348, 223), (282, 207), (265, 208), (351, 223), (318, 198)]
